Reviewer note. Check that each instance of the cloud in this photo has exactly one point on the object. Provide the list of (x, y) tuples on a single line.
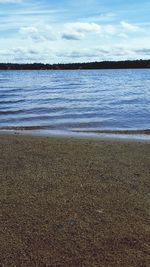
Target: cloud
[(109, 29), (106, 17), (143, 51), (78, 30), (72, 36), (37, 34), (129, 27), (95, 54), (84, 27), (57, 55), (81, 54), (23, 54), (28, 30), (123, 35), (32, 33)]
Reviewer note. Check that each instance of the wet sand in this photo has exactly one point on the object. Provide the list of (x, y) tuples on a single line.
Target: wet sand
[(69, 202), (118, 132), (105, 131)]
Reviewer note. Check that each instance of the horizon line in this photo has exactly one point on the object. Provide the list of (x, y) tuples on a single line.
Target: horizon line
[(86, 62)]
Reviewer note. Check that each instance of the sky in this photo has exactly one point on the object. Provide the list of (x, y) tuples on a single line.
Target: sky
[(64, 31)]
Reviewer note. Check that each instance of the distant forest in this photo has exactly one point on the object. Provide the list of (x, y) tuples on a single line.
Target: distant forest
[(72, 66)]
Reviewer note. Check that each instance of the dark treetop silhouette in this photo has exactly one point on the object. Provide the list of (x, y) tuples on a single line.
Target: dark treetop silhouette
[(90, 65)]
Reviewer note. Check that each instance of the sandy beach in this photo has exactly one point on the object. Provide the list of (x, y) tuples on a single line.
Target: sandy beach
[(67, 202)]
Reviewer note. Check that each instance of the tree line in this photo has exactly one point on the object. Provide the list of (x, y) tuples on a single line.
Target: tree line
[(72, 66)]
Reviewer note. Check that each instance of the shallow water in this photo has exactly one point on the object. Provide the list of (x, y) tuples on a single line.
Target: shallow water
[(75, 100)]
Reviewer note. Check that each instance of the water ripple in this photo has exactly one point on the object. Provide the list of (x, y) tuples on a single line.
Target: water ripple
[(80, 99)]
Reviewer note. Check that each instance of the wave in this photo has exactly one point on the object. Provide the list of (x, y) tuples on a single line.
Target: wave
[(25, 128), (100, 102), (3, 102)]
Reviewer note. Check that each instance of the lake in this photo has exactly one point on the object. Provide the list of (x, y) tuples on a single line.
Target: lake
[(76, 102)]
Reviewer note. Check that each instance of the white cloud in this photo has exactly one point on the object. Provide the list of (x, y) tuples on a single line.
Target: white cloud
[(123, 35), (84, 27), (80, 55), (78, 30), (109, 29), (67, 54), (32, 33), (106, 17), (37, 33), (72, 36), (28, 30), (31, 54), (100, 54), (143, 51), (129, 27)]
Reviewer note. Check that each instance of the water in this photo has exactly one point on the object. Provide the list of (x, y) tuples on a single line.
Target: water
[(70, 101)]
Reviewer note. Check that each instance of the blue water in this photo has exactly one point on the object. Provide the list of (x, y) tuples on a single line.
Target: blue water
[(75, 100)]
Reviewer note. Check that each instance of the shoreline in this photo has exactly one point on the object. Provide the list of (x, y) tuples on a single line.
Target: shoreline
[(125, 132), (74, 202), (133, 135), (54, 136), (125, 64)]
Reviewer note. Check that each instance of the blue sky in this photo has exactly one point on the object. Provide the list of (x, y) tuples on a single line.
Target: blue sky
[(74, 31)]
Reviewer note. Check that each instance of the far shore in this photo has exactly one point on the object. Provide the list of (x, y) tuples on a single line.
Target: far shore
[(70, 202), (122, 64)]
